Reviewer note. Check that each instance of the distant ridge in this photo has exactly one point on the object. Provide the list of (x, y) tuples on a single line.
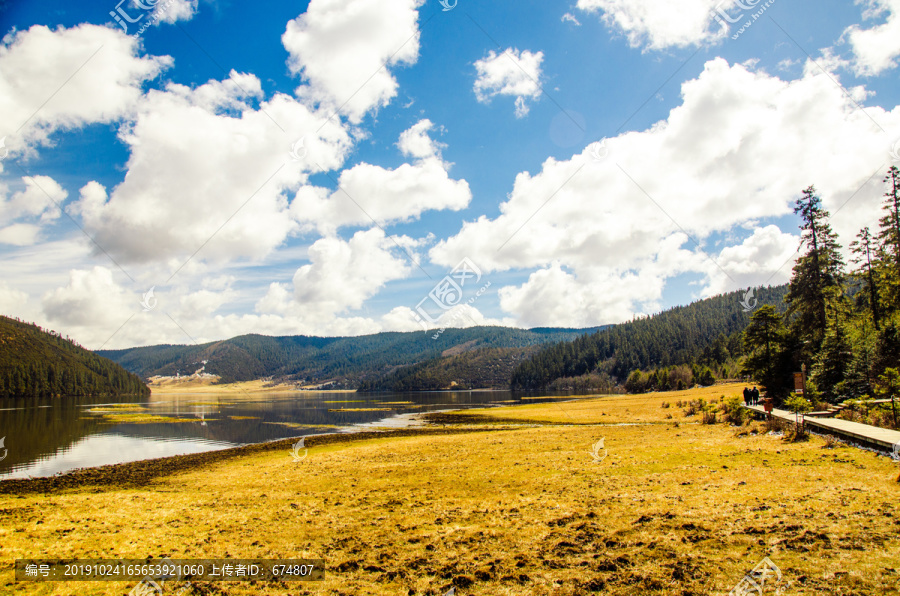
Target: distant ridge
[(706, 332), (38, 363), (342, 361)]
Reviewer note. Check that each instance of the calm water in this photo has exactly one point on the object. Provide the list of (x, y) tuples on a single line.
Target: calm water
[(43, 437)]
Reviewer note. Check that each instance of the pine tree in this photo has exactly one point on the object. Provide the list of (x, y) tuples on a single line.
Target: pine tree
[(834, 359), (817, 276), (889, 239), (765, 343), (865, 256)]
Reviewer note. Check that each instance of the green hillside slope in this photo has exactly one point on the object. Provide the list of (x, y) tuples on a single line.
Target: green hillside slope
[(484, 368), (706, 332), (37, 363), (347, 360)]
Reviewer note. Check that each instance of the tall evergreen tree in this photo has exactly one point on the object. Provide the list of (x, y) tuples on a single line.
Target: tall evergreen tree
[(865, 256), (889, 239), (816, 278), (835, 358), (765, 344)]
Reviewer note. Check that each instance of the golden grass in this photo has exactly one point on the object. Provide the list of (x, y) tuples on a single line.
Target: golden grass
[(613, 409), (166, 385), (300, 425), (670, 511), (346, 401), (131, 414)]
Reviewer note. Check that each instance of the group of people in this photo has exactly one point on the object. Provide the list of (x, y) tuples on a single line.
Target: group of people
[(751, 396)]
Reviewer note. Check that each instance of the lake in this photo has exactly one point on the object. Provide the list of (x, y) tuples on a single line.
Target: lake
[(43, 437)]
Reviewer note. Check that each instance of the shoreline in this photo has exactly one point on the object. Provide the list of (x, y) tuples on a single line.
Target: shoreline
[(614, 500), (143, 472)]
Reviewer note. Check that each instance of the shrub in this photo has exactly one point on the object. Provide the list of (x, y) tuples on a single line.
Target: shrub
[(831, 442), (665, 405), (733, 412), (773, 424), (795, 434), (694, 406)]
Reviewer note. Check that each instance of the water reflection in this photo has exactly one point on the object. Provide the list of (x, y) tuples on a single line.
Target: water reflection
[(50, 436)]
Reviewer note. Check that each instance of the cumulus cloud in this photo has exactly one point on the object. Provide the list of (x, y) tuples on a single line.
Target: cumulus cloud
[(511, 73), (416, 142), (658, 25), (20, 234), (91, 299), (342, 48), (40, 198), (37, 204), (764, 258), (172, 11), (341, 276), (66, 78), (740, 147), (876, 49), (367, 192), (12, 301), (554, 296), (198, 157), (570, 18)]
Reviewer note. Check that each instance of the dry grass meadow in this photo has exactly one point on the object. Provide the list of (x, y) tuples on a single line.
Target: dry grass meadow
[(510, 504)]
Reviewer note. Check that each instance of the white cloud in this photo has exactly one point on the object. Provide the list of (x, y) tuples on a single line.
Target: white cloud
[(12, 302), (416, 143), (512, 73), (171, 11), (202, 160), (368, 192), (66, 78), (876, 49), (570, 18), (659, 25), (91, 299), (740, 148), (37, 204), (342, 275), (40, 198), (764, 258), (556, 297), (342, 48), (20, 234)]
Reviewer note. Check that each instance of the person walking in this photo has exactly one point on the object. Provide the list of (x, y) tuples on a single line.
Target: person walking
[(754, 395), (746, 396)]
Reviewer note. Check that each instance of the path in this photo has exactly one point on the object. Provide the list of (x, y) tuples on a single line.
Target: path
[(880, 437)]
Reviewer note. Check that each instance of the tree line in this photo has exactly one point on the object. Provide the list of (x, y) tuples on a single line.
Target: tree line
[(674, 349), (39, 363), (841, 324)]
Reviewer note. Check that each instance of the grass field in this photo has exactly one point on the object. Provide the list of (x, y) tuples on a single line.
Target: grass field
[(190, 384), (516, 505)]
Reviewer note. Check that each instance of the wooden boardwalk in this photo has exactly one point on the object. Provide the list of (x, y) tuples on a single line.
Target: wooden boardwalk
[(881, 438)]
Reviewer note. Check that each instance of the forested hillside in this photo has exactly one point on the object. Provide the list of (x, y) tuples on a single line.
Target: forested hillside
[(842, 324), (38, 363), (681, 343), (485, 368), (344, 360)]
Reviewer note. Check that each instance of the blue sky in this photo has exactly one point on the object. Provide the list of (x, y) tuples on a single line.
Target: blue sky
[(590, 160)]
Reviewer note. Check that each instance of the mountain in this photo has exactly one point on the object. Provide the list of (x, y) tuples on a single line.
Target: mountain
[(344, 361), (39, 363), (706, 332), (482, 368)]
